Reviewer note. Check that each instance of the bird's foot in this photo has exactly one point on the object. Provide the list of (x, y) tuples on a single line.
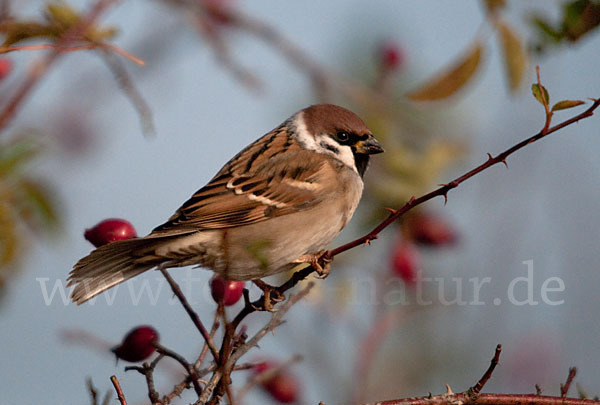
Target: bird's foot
[(271, 295), (318, 261)]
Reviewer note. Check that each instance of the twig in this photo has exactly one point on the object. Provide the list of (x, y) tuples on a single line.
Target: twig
[(217, 386), (40, 68), (564, 388), (126, 84), (74, 48), (92, 390), (187, 366), (213, 330), (117, 385), (147, 370), (276, 320), (192, 314), (476, 389)]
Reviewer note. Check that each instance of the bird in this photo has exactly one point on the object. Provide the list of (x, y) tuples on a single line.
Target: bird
[(277, 203)]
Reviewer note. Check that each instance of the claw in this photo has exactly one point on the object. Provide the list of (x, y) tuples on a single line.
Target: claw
[(315, 260), (271, 295)]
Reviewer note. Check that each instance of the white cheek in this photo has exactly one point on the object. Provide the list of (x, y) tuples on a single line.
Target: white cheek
[(308, 141), (345, 155)]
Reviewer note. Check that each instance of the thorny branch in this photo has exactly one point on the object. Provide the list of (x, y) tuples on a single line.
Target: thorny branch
[(395, 214), (445, 188), (473, 396)]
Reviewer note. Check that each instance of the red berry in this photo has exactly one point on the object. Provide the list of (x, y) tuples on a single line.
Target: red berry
[(6, 66), (282, 386), (110, 230), (406, 262), (226, 291), (391, 56), (137, 345), (431, 230)]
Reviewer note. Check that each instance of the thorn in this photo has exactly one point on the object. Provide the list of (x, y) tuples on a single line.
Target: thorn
[(412, 200), (538, 390), (503, 161), (391, 210), (449, 390), (490, 157)]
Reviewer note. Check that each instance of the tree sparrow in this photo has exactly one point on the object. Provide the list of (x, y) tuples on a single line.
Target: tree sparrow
[(281, 199)]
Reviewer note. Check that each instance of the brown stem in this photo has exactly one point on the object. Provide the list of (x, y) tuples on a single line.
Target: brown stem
[(117, 385), (187, 366), (564, 388), (192, 314), (476, 389)]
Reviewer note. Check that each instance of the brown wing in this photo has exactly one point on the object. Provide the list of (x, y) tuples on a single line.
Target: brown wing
[(255, 185)]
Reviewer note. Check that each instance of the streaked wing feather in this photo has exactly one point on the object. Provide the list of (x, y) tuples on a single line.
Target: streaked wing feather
[(276, 184)]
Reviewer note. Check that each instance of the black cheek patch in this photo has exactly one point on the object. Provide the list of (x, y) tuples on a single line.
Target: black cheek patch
[(329, 147)]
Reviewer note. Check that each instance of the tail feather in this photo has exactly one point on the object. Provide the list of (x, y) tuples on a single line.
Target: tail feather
[(106, 267)]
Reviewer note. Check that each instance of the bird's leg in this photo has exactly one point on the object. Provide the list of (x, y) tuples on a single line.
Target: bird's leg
[(270, 293), (315, 261)]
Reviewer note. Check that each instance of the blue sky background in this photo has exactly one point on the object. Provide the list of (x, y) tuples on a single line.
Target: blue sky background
[(543, 209)]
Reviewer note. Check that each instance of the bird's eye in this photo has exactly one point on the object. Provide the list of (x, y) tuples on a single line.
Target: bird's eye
[(343, 136)]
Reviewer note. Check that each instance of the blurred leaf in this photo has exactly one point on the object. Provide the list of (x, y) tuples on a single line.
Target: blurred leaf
[(451, 80), (494, 5), (17, 153), (546, 30), (564, 104), (515, 59), (62, 15), (9, 241), (36, 205), (537, 93), (580, 17), (21, 31)]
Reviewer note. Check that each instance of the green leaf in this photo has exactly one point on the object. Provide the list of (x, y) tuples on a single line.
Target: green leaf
[(564, 104), (9, 238), (36, 205), (515, 58), (548, 32), (454, 78), (537, 93), (21, 31), (62, 15), (580, 17), (17, 153)]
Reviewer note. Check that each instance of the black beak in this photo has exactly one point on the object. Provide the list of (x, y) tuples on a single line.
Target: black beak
[(369, 146)]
